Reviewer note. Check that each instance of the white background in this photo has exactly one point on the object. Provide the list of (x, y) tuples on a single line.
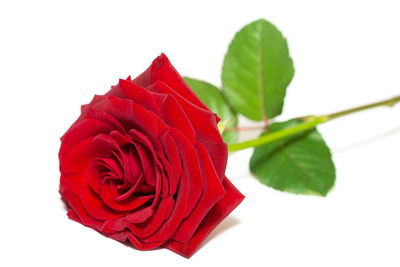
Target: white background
[(54, 56)]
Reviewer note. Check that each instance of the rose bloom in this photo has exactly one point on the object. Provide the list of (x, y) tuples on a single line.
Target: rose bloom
[(145, 164)]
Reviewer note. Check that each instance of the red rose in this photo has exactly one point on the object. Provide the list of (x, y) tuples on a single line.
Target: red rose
[(146, 162)]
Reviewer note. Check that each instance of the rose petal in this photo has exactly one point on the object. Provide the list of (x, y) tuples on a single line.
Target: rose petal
[(126, 235), (140, 215), (148, 165), (104, 117), (172, 154), (212, 192), (135, 117), (156, 157), (204, 123), (140, 245), (78, 159), (79, 213), (95, 100), (93, 204), (191, 168), (133, 189), (129, 90), (170, 225), (107, 194), (175, 116), (154, 223), (132, 167), (161, 69), (222, 208), (81, 131)]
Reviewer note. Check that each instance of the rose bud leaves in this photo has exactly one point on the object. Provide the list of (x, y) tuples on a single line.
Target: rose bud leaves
[(145, 164)]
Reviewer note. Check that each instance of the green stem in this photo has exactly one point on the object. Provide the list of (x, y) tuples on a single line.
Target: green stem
[(388, 102), (309, 123)]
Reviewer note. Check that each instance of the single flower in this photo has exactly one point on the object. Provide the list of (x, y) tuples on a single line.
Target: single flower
[(145, 164)]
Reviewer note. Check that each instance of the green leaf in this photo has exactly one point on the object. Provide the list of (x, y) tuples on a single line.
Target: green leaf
[(299, 164), (256, 71), (215, 100)]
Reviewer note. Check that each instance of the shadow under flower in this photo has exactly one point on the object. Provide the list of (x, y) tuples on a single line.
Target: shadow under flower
[(225, 225)]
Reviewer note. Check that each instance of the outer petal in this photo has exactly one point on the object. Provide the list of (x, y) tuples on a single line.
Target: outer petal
[(81, 131), (212, 192), (77, 213), (127, 89), (175, 116), (191, 168), (221, 209), (162, 70), (204, 123)]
